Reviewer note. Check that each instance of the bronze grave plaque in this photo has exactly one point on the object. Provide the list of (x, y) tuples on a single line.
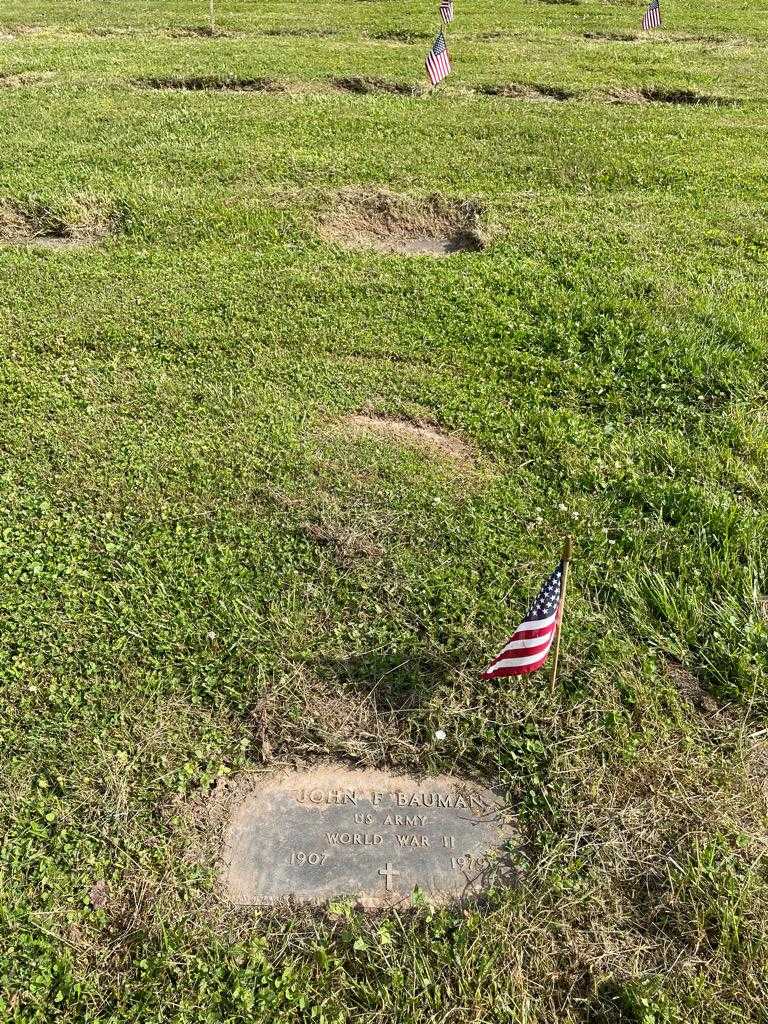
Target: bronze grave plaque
[(311, 836)]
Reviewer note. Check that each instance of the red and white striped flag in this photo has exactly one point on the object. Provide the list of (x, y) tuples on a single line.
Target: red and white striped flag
[(446, 11), (438, 63), (528, 648), (652, 16)]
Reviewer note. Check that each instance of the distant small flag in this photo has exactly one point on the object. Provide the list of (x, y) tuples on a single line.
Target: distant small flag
[(527, 650), (652, 16), (438, 64), (446, 11)]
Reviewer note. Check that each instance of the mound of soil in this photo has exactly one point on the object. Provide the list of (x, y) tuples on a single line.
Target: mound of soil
[(388, 223)]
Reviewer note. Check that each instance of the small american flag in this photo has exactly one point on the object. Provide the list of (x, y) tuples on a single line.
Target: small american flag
[(527, 650), (446, 11), (652, 16), (438, 64)]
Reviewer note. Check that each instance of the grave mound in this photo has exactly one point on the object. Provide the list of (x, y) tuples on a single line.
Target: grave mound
[(85, 224), (388, 223)]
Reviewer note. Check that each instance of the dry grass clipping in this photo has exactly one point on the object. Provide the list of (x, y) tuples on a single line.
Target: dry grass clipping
[(678, 97), (390, 223), (416, 433), (368, 86), (532, 93), (23, 79), (85, 221)]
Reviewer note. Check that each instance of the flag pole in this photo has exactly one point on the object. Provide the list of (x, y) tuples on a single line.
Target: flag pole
[(212, 16), (567, 556)]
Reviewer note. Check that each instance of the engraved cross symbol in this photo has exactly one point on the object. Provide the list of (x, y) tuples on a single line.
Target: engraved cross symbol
[(388, 872)]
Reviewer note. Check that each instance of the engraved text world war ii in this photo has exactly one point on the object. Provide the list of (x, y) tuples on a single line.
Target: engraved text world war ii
[(314, 835)]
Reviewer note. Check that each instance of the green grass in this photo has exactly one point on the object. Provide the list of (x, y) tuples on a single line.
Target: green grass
[(191, 543)]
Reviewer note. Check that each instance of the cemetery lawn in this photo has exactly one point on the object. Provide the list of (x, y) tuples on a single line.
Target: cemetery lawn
[(218, 555)]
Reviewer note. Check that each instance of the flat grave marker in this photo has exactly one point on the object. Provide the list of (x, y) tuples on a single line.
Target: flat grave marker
[(311, 836)]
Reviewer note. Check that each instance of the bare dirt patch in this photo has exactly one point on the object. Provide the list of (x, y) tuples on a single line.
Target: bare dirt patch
[(677, 97), (322, 711), (689, 687), (12, 32), (756, 764), (612, 37), (401, 36), (299, 33), (415, 433), (367, 86), (215, 83), (25, 78), (522, 91), (201, 32), (108, 31), (492, 36), (388, 223), (84, 223), (696, 40)]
